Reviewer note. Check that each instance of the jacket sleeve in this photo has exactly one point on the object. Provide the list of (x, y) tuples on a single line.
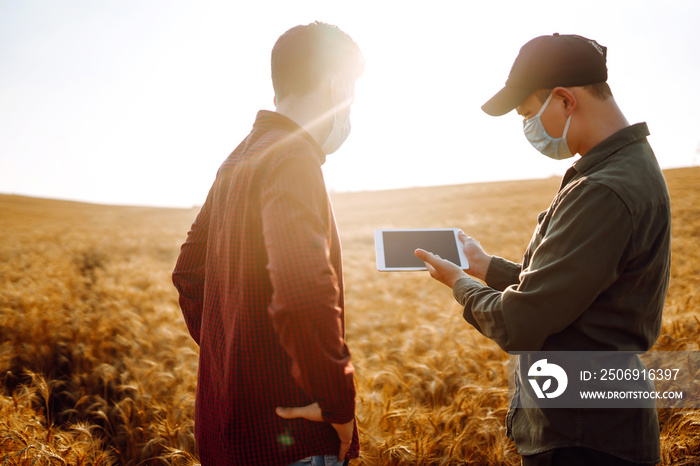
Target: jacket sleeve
[(188, 276), (502, 273), (305, 306), (580, 256)]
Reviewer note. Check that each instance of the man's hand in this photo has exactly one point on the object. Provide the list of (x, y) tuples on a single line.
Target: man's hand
[(441, 270), (478, 260), (448, 273), (313, 413)]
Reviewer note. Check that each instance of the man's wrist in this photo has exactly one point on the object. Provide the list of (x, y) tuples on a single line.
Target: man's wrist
[(342, 415), (457, 277), (481, 267)]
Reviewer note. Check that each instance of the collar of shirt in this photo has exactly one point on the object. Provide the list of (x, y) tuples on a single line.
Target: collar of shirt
[(267, 120), (605, 149)]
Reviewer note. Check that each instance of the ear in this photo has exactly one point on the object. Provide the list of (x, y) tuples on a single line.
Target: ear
[(567, 97)]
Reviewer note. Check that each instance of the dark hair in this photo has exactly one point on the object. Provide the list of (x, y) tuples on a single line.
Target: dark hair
[(599, 90), (305, 55)]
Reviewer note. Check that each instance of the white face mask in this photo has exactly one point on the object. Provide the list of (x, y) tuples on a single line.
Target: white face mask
[(341, 129), (556, 148)]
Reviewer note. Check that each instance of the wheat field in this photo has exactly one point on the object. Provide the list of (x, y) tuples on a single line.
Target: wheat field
[(97, 367)]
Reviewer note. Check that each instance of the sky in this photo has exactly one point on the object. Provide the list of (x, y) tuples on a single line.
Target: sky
[(138, 102)]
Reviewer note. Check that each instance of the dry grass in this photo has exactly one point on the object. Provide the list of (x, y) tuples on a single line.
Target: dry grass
[(97, 366)]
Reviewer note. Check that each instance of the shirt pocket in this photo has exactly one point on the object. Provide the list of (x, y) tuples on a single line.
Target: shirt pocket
[(540, 230), (543, 222)]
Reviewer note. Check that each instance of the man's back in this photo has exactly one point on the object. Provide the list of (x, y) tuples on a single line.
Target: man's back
[(261, 290)]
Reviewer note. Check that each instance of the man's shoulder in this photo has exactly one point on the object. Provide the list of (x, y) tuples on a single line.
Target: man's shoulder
[(276, 136), (634, 175), (270, 145)]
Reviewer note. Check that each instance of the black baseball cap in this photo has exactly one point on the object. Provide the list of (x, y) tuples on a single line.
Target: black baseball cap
[(547, 62)]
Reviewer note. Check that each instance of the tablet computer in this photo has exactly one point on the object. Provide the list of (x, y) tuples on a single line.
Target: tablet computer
[(395, 248)]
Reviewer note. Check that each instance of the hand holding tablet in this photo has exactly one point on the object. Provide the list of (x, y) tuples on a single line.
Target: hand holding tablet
[(395, 248)]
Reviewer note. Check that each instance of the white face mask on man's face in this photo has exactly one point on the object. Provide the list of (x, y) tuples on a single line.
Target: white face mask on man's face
[(341, 128), (555, 148)]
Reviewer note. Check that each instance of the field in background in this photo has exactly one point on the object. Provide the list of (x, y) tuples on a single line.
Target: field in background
[(97, 367)]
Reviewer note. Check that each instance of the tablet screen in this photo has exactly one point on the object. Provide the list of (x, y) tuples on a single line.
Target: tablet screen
[(396, 248)]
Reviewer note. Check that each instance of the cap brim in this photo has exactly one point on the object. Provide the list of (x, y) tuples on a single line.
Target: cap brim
[(506, 100)]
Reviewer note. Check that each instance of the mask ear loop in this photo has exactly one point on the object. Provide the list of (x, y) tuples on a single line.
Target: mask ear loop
[(335, 113), (568, 120), (335, 109), (544, 105), (345, 100), (566, 126)]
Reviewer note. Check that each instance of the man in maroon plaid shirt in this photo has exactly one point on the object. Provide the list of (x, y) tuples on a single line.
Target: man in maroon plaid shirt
[(260, 275)]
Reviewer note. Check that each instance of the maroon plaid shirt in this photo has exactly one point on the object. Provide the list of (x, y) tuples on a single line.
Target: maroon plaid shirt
[(261, 290)]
